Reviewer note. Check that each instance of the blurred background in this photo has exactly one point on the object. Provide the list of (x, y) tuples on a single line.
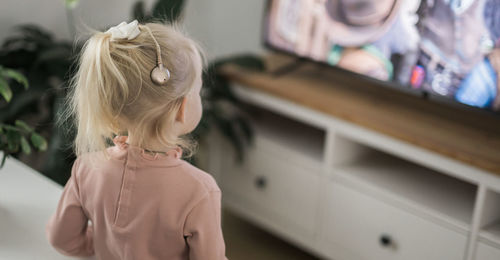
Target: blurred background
[(336, 129)]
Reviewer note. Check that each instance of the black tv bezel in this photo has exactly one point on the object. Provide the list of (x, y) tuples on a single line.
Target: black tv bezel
[(427, 95)]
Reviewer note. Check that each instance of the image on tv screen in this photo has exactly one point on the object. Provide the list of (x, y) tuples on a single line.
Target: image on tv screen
[(449, 48)]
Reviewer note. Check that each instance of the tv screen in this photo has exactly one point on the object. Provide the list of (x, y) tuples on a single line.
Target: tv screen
[(447, 48)]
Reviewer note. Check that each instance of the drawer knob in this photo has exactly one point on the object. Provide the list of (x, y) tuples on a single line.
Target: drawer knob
[(260, 182), (385, 240)]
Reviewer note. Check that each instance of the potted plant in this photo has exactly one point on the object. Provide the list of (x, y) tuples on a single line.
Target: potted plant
[(16, 136)]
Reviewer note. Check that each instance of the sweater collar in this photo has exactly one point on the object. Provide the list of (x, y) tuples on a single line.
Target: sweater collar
[(171, 157)]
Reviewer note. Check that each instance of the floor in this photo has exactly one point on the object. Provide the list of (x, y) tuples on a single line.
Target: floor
[(245, 241)]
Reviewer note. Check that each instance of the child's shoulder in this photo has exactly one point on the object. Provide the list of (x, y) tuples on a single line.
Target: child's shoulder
[(201, 177), (92, 160)]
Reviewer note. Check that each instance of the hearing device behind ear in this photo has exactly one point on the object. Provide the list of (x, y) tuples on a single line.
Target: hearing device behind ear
[(159, 74)]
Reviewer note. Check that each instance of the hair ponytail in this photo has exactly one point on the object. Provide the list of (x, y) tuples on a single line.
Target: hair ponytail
[(100, 92)]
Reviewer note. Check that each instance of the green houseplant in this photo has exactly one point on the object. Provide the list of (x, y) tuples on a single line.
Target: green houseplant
[(14, 135), (47, 64)]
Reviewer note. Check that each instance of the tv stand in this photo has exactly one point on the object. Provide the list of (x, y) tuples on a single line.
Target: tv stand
[(289, 67), (348, 170)]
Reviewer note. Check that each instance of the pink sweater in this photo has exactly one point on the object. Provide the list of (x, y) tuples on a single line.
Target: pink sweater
[(136, 206)]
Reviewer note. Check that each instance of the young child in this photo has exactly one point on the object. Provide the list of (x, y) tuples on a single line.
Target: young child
[(137, 199)]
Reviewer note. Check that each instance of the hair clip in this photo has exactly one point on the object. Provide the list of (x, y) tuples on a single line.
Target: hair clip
[(159, 74), (124, 31)]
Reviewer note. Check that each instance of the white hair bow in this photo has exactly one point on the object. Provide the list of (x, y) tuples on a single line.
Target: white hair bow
[(124, 31)]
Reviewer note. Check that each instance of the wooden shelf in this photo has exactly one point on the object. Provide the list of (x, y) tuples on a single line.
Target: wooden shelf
[(468, 136)]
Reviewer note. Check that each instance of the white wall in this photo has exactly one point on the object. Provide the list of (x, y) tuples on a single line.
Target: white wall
[(223, 27), (46, 13), (51, 14), (230, 26)]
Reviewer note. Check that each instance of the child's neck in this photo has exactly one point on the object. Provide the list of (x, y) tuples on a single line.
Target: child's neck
[(152, 147)]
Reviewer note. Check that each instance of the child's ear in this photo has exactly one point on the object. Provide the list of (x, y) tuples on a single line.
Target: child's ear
[(181, 113)]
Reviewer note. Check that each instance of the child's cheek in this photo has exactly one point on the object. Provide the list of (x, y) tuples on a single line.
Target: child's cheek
[(194, 111), (199, 110)]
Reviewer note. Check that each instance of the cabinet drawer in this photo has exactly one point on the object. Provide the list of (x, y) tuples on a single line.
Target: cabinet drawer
[(278, 190), (360, 227), (487, 252)]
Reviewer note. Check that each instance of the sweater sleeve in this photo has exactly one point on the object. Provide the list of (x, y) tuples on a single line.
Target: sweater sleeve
[(203, 230), (68, 230)]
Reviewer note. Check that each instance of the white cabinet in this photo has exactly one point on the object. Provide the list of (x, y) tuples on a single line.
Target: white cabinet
[(344, 192), (277, 189), (358, 226), (487, 252), (488, 242)]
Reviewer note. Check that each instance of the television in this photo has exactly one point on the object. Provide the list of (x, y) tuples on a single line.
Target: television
[(449, 49)]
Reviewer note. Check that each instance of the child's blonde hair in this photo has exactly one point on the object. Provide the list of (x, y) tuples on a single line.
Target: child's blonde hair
[(112, 92)]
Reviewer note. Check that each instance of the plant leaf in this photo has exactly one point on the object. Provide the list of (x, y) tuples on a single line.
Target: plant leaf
[(35, 34), (23, 101), (57, 53), (245, 127), (3, 159), (168, 10), (17, 76), (13, 140), (5, 90), (228, 130), (71, 4), (138, 12), (25, 146), (9, 128), (38, 142), (24, 126)]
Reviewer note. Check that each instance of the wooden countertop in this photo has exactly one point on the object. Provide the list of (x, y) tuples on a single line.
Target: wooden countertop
[(472, 137)]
